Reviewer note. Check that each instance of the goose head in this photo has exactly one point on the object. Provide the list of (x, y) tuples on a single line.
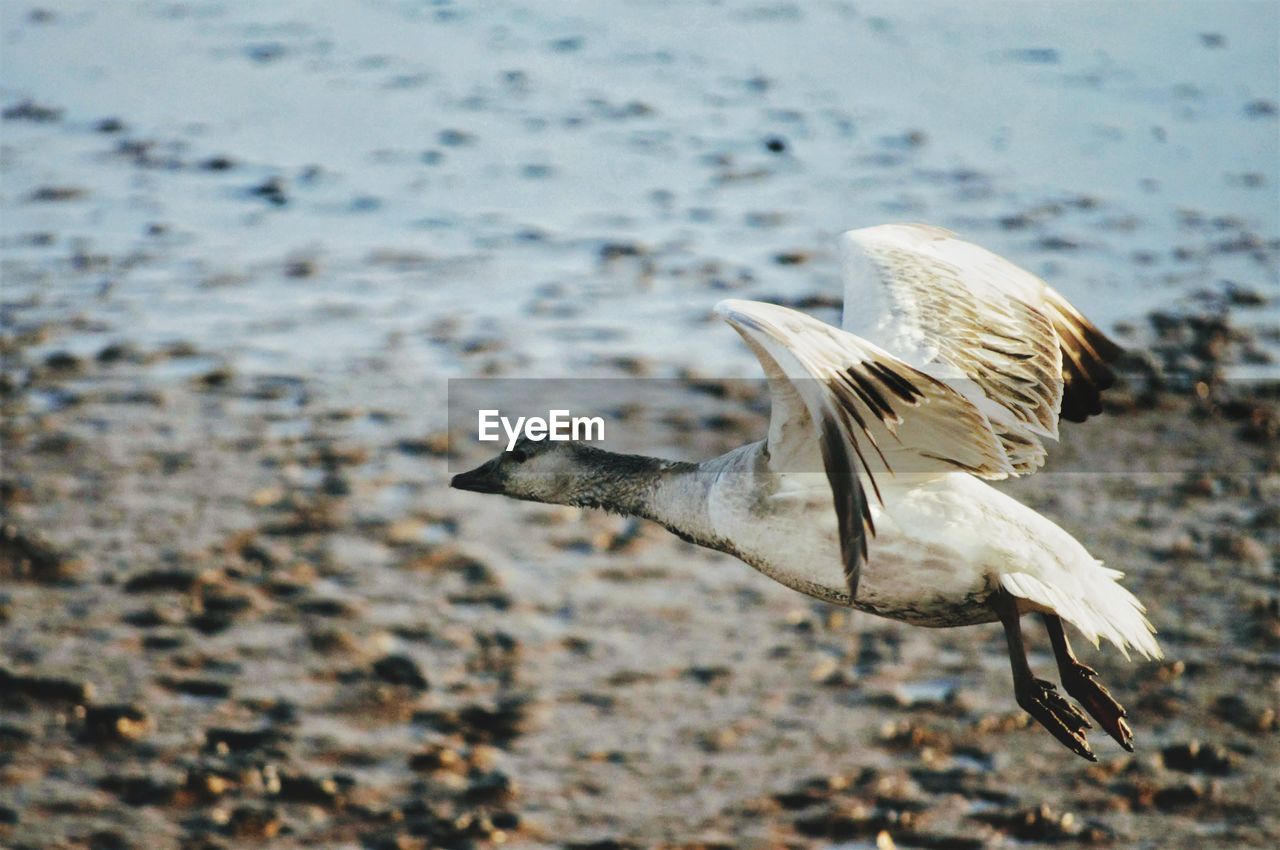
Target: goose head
[(536, 471)]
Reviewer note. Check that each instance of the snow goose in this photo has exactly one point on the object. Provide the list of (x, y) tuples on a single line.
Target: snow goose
[(953, 365)]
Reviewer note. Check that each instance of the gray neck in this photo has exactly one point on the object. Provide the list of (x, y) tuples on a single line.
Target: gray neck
[(670, 492)]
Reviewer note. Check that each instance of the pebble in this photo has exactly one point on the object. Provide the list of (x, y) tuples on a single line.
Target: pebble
[(218, 163), (453, 138), (909, 736), (498, 724), (1247, 550), (162, 580), (492, 788), (113, 724), (57, 194), (215, 378), (326, 792), (333, 641), (265, 553), (1261, 108), (207, 785), (322, 607), (225, 740), (400, 670), (163, 643), (272, 191), (29, 110), (139, 789), (1236, 710), (300, 268), (196, 687), (438, 758), (1178, 797), (254, 823), (830, 672), (841, 822), (63, 361), (27, 555), (433, 445), (45, 688), (107, 839), (709, 675), (13, 738), (1040, 824), (1194, 757)]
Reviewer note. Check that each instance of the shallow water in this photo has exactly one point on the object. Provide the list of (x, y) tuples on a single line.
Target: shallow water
[(438, 161)]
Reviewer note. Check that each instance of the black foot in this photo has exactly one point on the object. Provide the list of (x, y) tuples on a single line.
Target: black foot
[(1080, 681), (1042, 701)]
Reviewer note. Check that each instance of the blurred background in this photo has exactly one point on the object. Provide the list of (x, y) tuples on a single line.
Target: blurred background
[(244, 247)]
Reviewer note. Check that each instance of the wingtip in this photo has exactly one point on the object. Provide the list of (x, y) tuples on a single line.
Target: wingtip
[(725, 307), (1087, 358), (741, 312)]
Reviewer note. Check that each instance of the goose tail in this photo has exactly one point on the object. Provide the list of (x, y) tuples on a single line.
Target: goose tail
[(1096, 604)]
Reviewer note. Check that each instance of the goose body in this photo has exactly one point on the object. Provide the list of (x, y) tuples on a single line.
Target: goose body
[(952, 365), (944, 545)]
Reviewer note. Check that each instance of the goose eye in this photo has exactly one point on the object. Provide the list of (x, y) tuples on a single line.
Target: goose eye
[(519, 455)]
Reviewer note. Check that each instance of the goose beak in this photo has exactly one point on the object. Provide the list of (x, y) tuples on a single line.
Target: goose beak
[(479, 480)]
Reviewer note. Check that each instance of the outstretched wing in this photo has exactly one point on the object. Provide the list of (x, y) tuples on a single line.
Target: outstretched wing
[(869, 413), (997, 333)]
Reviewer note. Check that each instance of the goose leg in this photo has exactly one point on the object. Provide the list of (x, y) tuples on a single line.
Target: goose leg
[(1079, 681), (1037, 697)]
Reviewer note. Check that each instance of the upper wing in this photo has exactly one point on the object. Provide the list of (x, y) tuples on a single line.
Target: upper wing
[(975, 319), (868, 412)]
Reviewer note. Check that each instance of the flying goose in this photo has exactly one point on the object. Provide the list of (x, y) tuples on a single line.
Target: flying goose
[(952, 365)]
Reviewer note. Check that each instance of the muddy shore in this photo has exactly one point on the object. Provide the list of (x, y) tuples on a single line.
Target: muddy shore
[(239, 605), (235, 611)]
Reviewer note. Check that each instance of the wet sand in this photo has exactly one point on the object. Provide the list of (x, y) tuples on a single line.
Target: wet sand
[(239, 605), (236, 611)]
